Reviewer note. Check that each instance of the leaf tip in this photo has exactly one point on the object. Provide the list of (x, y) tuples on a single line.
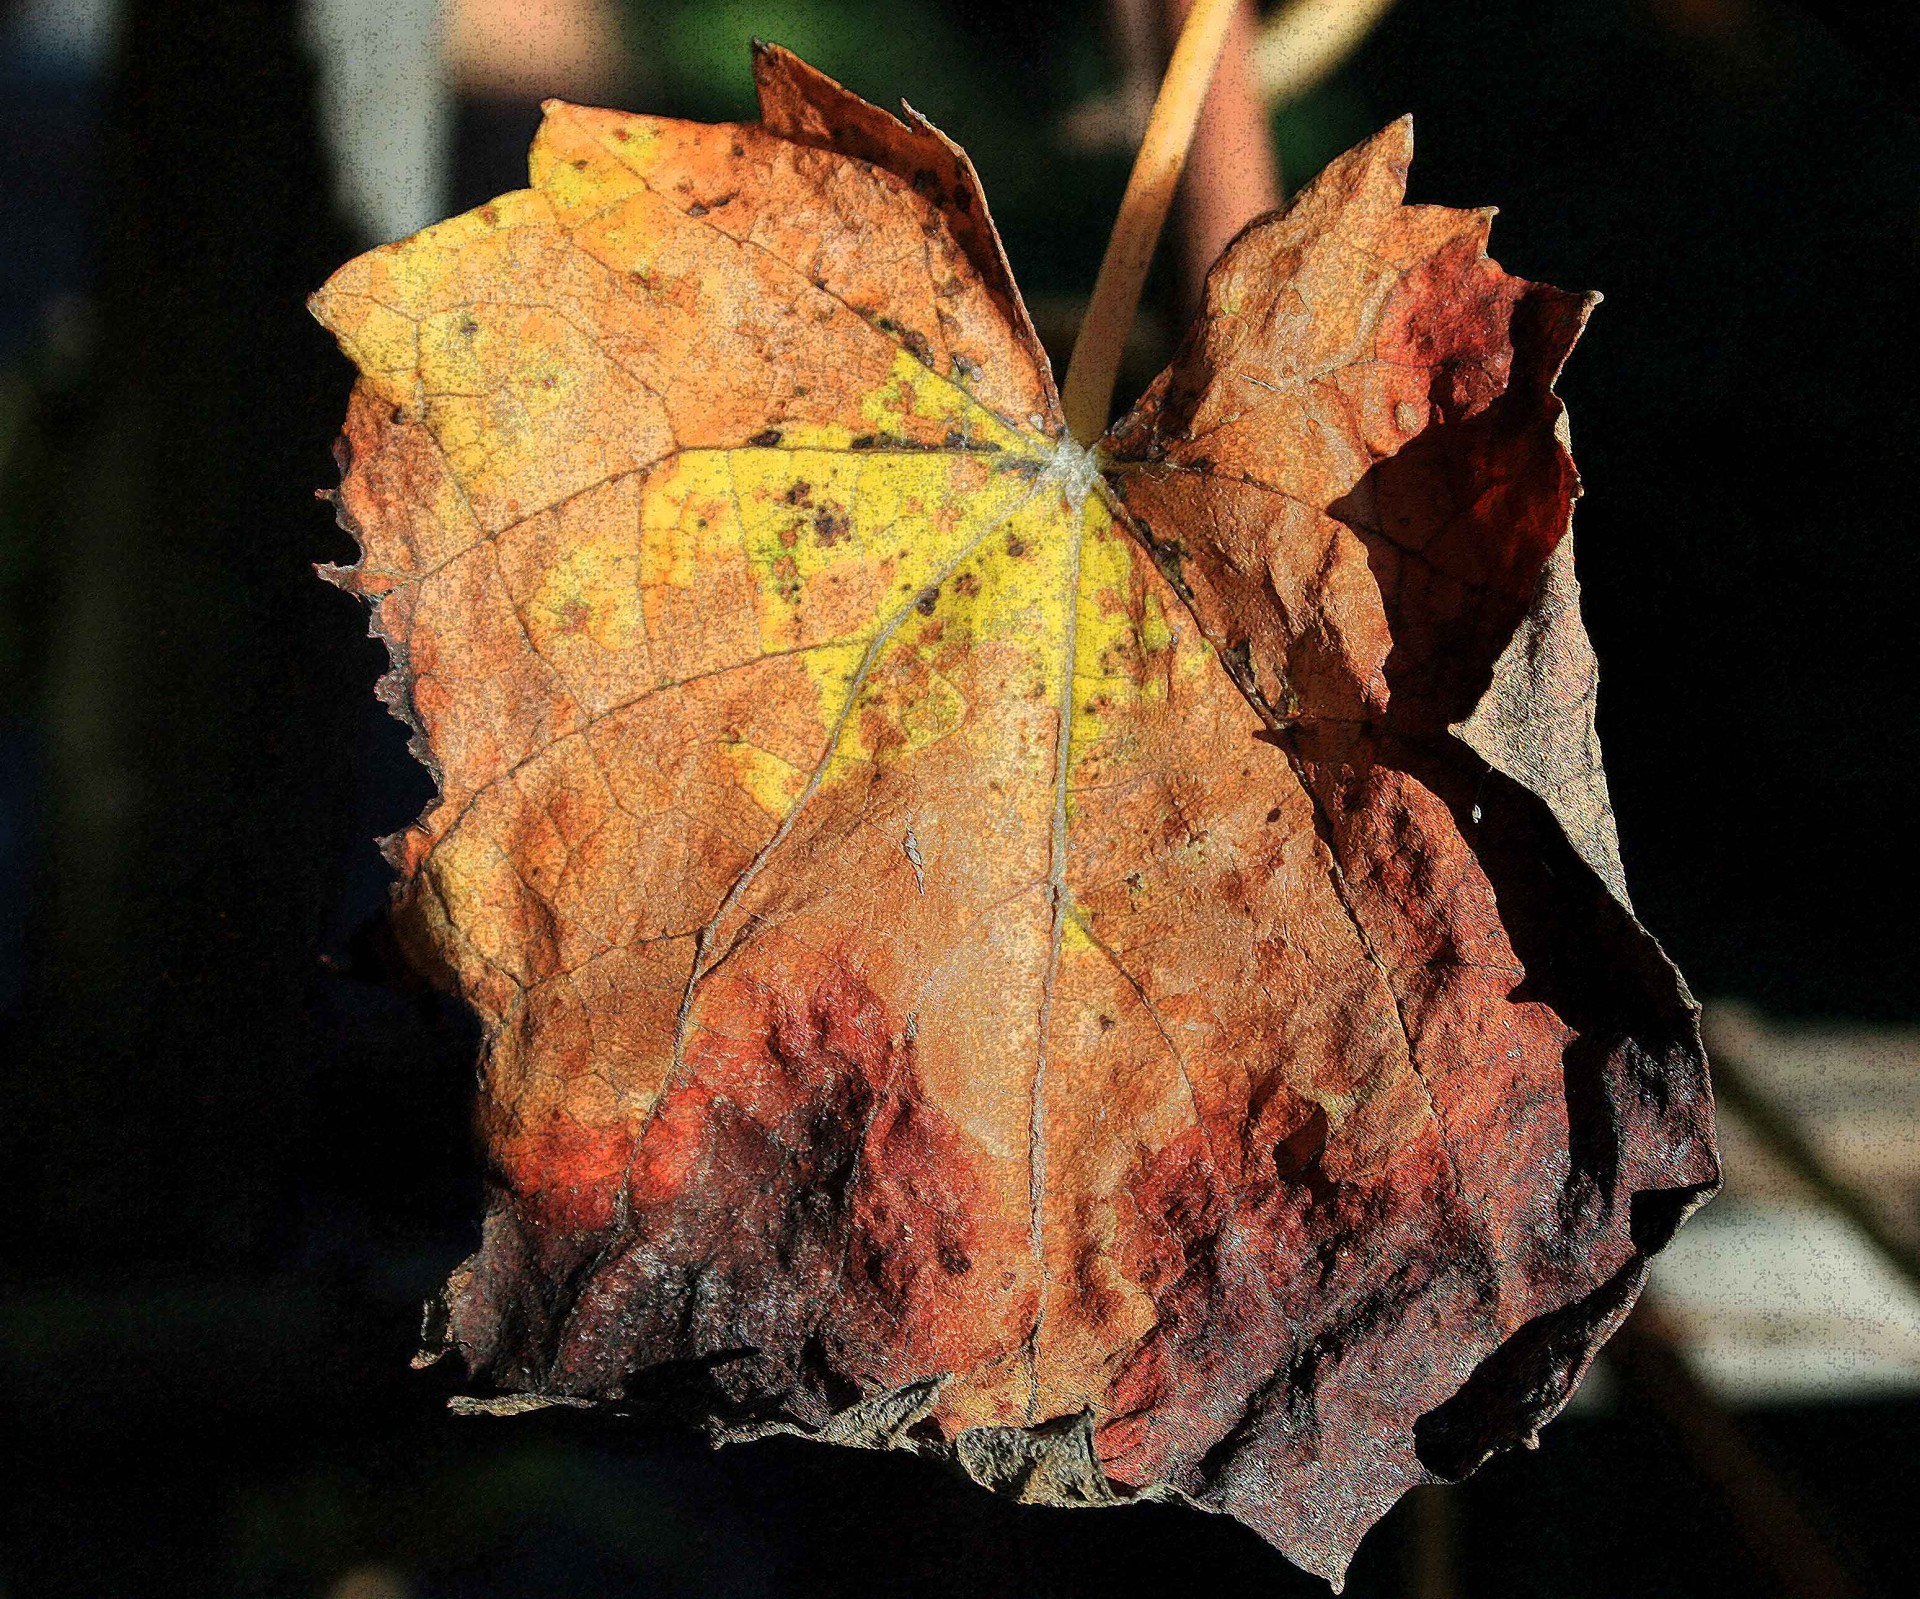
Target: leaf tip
[(1394, 143)]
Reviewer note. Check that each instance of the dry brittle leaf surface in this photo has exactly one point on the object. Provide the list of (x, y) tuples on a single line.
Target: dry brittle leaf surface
[(1112, 969)]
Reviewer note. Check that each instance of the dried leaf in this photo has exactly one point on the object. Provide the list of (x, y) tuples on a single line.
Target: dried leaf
[(1110, 969)]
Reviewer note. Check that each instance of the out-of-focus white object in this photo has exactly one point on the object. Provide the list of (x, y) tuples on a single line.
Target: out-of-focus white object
[(371, 1582), (76, 34), (514, 49), (1786, 1302), (1294, 50), (1302, 43), (386, 108), (1775, 1296)]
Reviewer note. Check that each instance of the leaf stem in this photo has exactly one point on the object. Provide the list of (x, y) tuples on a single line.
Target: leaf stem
[(1087, 394)]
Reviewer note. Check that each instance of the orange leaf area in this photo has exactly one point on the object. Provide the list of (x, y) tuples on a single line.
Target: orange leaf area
[(1110, 968)]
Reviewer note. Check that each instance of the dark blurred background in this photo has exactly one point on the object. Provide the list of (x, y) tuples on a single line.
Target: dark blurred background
[(234, 1138)]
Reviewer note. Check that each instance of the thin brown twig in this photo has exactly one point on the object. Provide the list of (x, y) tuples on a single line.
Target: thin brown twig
[(1783, 1539), (1232, 172), (1434, 1513)]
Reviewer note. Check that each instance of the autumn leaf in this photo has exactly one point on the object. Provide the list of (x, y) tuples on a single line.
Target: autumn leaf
[(1107, 967)]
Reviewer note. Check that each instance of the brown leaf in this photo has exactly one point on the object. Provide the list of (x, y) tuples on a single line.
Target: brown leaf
[(1108, 969)]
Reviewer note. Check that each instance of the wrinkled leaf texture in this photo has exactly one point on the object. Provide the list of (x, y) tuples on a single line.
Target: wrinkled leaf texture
[(1118, 979)]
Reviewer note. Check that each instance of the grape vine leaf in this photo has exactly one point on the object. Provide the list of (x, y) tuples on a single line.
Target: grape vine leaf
[(1111, 967)]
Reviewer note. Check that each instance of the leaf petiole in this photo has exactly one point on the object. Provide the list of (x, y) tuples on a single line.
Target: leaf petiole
[(1087, 394)]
